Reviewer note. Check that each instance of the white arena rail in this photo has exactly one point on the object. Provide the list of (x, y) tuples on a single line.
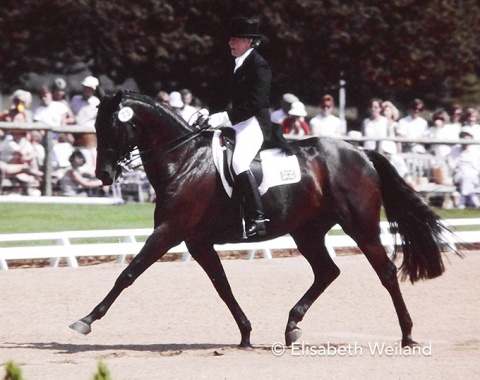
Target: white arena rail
[(58, 245)]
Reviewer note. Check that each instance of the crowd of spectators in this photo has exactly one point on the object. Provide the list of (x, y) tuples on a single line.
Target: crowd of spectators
[(450, 164), (73, 155), (27, 147)]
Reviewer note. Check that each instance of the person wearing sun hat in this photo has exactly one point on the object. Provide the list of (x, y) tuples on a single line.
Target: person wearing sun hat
[(249, 115), (18, 112), (85, 107), (295, 124), (85, 99)]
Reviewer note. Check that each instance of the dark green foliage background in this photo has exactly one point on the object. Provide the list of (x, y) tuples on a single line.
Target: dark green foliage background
[(393, 49)]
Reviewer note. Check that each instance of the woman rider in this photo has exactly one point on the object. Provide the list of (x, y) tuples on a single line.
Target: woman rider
[(248, 115)]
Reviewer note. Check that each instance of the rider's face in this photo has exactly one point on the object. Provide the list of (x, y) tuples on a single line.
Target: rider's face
[(239, 45)]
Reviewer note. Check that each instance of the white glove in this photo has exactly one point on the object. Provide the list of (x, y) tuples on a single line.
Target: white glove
[(204, 112), (219, 119), (201, 117)]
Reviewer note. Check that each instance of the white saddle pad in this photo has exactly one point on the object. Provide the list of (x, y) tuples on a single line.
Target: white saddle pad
[(278, 168)]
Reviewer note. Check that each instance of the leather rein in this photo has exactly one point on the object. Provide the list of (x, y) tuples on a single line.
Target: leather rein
[(200, 125)]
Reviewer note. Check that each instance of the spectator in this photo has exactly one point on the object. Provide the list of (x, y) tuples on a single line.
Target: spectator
[(176, 103), (12, 169), (472, 121), (391, 113), (84, 106), (61, 153), (281, 114), (190, 100), (355, 135), (325, 123), (391, 153), (163, 98), (51, 112), (441, 130), (39, 150), (456, 118), (375, 126), (413, 127), (294, 124), (464, 161), (19, 111), (74, 183), (19, 150), (187, 111), (59, 89)]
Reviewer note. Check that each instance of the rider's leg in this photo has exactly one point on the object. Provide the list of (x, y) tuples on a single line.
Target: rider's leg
[(254, 215), (249, 139)]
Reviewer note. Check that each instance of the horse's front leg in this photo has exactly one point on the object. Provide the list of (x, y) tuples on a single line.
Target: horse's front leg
[(155, 247), (208, 259)]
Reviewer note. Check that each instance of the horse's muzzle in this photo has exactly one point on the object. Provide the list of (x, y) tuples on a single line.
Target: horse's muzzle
[(105, 176)]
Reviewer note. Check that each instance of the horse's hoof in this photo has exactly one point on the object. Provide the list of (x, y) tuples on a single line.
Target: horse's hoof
[(409, 342), (81, 327), (292, 336), (246, 348)]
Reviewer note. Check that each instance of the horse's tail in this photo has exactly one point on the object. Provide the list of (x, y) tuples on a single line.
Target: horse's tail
[(419, 227)]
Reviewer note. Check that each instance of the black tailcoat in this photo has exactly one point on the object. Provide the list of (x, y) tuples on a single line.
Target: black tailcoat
[(250, 96)]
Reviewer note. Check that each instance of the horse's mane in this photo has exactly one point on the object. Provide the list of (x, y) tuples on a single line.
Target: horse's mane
[(166, 114)]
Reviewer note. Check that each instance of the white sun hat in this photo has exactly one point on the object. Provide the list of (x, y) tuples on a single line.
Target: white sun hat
[(91, 82), (298, 109), (176, 100)]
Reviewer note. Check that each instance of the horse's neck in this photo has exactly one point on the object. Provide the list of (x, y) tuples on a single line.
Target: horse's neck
[(166, 168)]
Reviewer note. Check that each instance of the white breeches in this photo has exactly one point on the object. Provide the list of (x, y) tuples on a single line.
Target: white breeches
[(249, 140)]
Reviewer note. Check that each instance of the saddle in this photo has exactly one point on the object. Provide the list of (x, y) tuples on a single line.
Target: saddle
[(271, 167), (227, 142)]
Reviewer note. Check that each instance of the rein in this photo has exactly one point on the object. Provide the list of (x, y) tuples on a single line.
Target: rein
[(200, 125), (188, 137)]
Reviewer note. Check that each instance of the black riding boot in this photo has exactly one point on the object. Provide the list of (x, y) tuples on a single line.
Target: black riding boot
[(254, 215)]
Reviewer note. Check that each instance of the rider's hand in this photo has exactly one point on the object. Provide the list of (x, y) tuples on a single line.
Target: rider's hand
[(202, 118), (219, 119)]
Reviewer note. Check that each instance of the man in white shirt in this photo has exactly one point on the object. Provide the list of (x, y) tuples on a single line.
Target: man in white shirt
[(51, 112), (413, 126), (84, 106), (325, 123)]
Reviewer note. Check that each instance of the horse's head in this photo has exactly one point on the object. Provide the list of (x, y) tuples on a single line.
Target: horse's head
[(128, 120), (116, 137)]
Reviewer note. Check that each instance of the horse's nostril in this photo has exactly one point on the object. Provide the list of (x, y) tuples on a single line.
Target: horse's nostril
[(105, 177)]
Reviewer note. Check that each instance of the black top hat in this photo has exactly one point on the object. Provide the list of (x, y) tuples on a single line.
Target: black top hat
[(243, 27)]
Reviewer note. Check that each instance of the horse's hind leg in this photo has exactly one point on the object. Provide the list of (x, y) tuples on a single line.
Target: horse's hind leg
[(150, 253), (387, 272), (208, 259), (325, 272)]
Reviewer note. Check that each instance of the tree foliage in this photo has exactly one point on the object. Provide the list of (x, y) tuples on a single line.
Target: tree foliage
[(396, 49)]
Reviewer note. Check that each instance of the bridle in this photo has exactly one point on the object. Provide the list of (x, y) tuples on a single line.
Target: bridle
[(125, 160)]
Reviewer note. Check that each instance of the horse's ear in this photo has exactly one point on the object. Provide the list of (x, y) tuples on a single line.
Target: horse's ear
[(100, 92), (118, 97)]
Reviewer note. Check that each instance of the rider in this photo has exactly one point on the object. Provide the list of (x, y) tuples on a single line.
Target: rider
[(249, 115)]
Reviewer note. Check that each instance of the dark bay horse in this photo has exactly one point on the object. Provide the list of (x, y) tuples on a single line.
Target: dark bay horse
[(339, 184)]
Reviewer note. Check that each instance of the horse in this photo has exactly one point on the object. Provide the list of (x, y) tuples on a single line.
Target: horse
[(340, 184)]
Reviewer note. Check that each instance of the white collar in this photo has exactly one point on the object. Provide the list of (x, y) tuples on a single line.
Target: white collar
[(239, 60)]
